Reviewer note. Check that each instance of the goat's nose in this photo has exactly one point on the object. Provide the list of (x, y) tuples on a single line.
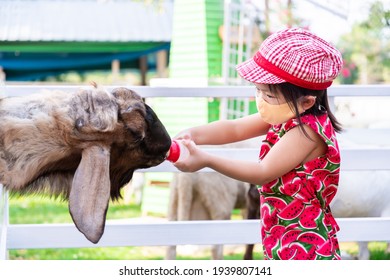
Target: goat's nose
[(158, 138)]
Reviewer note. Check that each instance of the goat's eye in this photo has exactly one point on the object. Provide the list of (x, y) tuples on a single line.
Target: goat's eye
[(135, 106), (80, 123), (135, 133)]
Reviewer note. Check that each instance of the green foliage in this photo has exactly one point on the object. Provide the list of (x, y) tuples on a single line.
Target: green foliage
[(366, 49)]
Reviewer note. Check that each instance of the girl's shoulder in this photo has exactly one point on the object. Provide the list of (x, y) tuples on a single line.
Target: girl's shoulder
[(323, 127), (320, 124)]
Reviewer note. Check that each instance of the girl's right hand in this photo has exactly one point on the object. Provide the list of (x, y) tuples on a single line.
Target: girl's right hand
[(184, 134), (197, 158)]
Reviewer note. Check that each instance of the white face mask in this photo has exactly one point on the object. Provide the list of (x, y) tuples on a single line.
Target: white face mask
[(275, 114)]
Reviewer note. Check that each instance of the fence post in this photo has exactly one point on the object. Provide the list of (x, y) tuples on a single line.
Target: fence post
[(3, 223)]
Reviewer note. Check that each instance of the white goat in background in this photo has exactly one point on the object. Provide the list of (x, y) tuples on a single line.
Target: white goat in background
[(204, 196), (207, 196), (362, 194), (134, 189)]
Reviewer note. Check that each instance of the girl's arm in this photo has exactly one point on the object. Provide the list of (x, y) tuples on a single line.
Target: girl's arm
[(293, 148), (226, 131)]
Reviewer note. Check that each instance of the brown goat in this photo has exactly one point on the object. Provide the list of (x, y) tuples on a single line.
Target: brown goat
[(83, 146)]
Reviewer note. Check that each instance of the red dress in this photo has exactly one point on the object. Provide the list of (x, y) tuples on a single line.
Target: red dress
[(296, 219)]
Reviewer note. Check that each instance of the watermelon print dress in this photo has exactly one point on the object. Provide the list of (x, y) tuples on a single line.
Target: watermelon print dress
[(296, 219)]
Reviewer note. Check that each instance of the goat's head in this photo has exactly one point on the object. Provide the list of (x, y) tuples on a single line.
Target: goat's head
[(84, 146)]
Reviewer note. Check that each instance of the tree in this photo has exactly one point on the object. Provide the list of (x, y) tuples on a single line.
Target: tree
[(366, 49)]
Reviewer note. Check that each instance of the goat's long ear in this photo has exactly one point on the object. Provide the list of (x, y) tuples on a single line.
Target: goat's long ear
[(90, 192)]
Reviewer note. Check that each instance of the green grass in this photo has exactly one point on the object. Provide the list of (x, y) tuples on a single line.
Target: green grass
[(117, 253), (378, 251), (41, 209)]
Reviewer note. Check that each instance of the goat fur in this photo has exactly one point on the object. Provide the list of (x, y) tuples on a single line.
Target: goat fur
[(363, 194), (83, 146)]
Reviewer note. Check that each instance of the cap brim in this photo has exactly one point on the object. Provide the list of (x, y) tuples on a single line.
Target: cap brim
[(252, 72)]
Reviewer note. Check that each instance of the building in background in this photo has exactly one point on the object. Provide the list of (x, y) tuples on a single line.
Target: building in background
[(44, 38)]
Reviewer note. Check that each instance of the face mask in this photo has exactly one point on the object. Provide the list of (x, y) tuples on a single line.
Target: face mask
[(274, 114)]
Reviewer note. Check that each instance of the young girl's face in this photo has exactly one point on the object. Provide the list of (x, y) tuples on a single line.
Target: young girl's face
[(273, 107), (273, 98)]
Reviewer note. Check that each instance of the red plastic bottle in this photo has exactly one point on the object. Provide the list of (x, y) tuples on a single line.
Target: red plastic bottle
[(177, 152)]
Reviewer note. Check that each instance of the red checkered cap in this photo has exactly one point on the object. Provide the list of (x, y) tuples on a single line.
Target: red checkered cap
[(296, 56)]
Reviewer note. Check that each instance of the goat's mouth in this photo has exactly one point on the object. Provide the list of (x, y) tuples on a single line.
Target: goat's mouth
[(155, 160), (156, 153)]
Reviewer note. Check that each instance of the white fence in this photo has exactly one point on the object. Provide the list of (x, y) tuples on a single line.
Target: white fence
[(194, 232)]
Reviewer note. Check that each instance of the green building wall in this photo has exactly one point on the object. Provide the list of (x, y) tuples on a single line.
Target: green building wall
[(196, 49), (196, 53)]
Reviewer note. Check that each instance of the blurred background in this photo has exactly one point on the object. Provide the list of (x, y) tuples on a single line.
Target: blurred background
[(133, 41)]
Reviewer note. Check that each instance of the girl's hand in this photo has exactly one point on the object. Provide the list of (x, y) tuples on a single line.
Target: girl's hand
[(184, 134), (195, 161)]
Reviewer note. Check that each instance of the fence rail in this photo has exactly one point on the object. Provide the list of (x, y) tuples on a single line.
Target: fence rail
[(28, 236), (176, 233), (211, 91)]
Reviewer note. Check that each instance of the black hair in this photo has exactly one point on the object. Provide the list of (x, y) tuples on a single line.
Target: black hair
[(292, 93)]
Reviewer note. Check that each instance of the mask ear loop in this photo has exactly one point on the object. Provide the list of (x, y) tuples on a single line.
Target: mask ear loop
[(321, 108)]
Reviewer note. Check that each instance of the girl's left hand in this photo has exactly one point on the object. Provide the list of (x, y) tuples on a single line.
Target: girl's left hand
[(195, 161)]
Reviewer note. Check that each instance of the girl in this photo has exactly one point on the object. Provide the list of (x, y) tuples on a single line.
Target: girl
[(299, 161)]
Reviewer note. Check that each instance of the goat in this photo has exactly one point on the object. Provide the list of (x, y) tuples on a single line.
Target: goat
[(82, 146), (206, 196), (363, 194)]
